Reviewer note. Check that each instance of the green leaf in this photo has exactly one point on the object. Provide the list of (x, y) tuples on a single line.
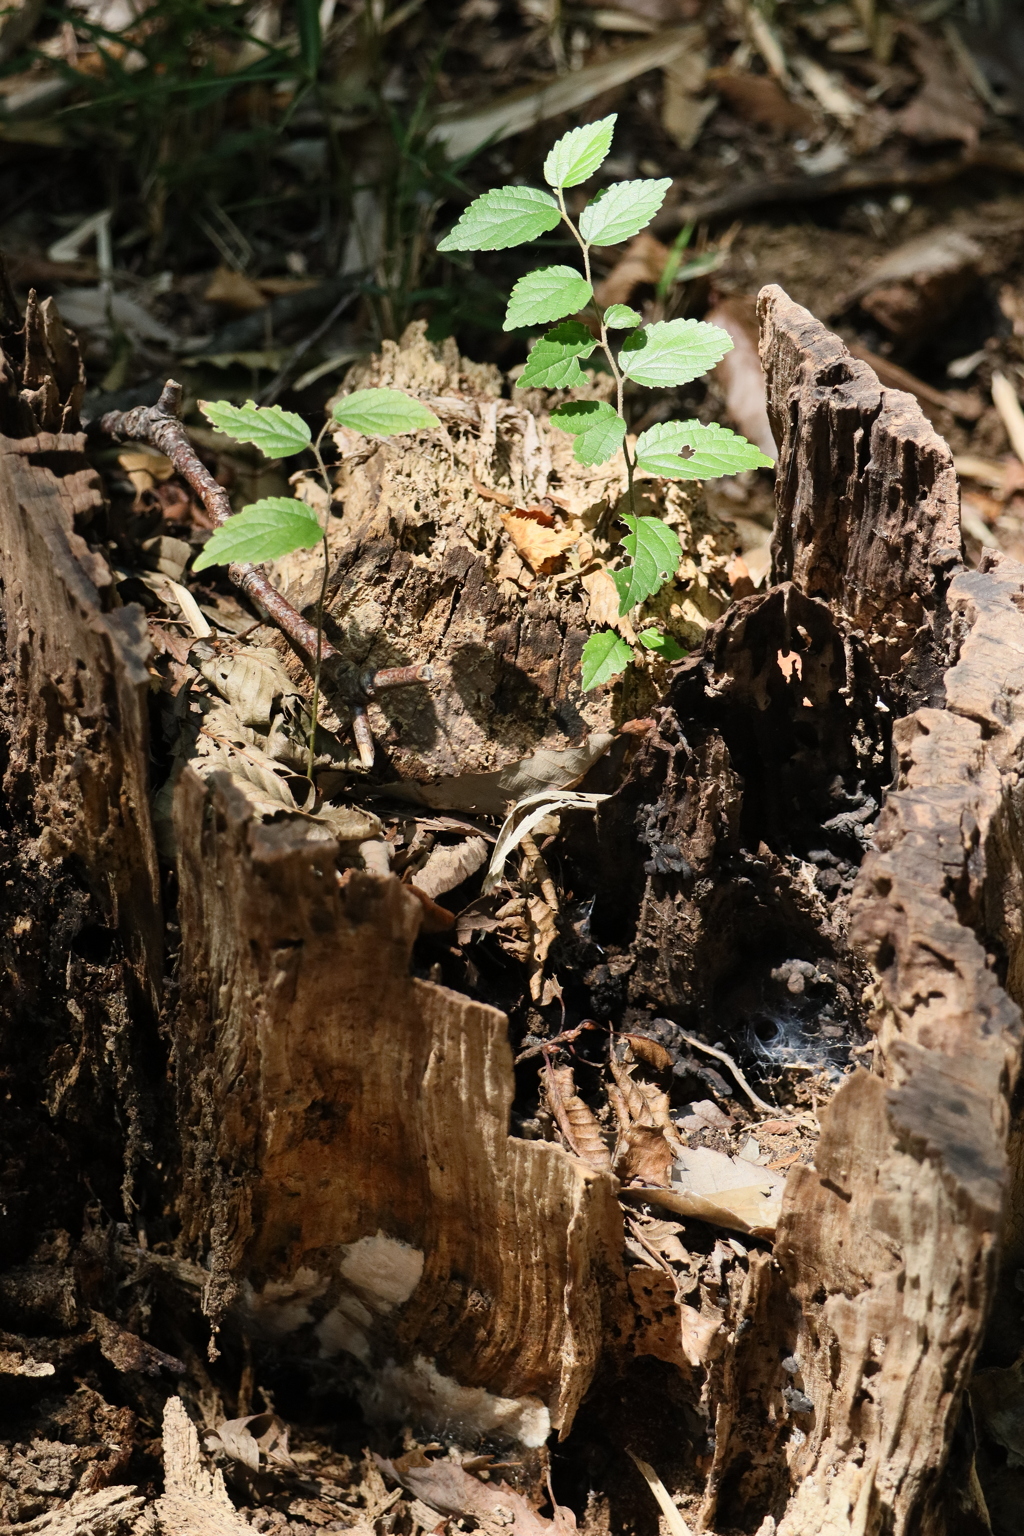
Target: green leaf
[(605, 655), (715, 451), (596, 426), (265, 530), (622, 210), (578, 154), (274, 432), (619, 317), (655, 551), (673, 352), (552, 363), (665, 646), (383, 413), (546, 295), (501, 218)]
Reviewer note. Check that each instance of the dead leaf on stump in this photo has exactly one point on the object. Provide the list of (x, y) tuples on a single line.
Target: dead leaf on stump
[(576, 1120), (542, 548), (448, 1488)]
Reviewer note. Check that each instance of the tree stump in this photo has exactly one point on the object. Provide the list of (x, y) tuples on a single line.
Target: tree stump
[(817, 834)]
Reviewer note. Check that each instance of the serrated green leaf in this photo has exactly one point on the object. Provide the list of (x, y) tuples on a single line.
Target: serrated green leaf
[(665, 646), (501, 218), (673, 352), (383, 413), (265, 530), (552, 364), (605, 655), (655, 551), (715, 451), (578, 154), (274, 432), (596, 426), (546, 295), (622, 210), (619, 317)]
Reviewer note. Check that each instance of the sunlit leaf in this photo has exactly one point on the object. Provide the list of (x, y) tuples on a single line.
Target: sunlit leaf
[(275, 432), (655, 552), (596, 426), (622, 210), (619, 317), (673, 352), (501, 218), (579, 154), (265, 530), (665, 646), (605, 655), (383, 413), (715, 451), (546, 295), (552, 364)]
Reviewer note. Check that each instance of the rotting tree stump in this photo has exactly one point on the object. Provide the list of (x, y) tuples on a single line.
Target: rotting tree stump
[(346, 1176)]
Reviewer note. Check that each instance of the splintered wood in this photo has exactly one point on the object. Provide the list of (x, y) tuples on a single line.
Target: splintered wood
[(348, 1168)]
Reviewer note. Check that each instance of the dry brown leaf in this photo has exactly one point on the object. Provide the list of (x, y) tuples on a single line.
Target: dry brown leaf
[(542, 548), (543, 934), (760, 99), (490, 794), (724, 1191), (650, 1051), (233, 289), (643, 1153), (739, 374), (258, 1439), (646, 1103), (449, 864), (664, 1236), (575, 1119), (643, 261), (683, 112), (944, 109), (445, 1486)]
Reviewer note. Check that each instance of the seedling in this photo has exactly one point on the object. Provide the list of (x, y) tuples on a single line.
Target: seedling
[(658, 356), (278, 525)]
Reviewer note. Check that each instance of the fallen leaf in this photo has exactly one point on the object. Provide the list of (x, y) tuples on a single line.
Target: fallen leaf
[(683, 110), (944, 108), (722, 1191), (490, 794), (575, 1119), (258, 1439), (234, 290), (703, 1114), (650, 1051), (524, 817), (760, 99), (542, 548), (449, 864), (446, 1487), (543, 934), (739, 374), (643, 1153), (643, 261)]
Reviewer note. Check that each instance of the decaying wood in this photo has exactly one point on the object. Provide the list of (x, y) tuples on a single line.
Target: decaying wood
[(348, 1169)]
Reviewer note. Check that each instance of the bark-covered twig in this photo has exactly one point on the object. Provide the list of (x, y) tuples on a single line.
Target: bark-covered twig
[(161, 427)]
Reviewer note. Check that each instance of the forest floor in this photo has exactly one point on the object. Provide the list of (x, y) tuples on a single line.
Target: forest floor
[(249, 203)]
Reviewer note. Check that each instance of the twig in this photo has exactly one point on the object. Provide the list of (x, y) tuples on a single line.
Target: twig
[(673, 1519), (712, 1050), (564, 1038), (1006, 402)]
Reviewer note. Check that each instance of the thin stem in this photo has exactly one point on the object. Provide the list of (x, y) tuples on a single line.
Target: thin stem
[(605, 346), (320, 606)]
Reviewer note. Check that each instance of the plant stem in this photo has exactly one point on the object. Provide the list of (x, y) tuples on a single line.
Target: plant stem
[(319, 607), (604, 345)]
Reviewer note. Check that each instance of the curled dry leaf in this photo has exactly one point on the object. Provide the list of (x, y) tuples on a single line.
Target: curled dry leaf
[(643, 1153), (542, 548), (723, 1191), (575, 1119), (543, 934), (450, 864), (451, 1490), (650, 1051), (258, 1439)]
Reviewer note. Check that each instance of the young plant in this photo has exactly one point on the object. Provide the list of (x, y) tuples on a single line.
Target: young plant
[(657, 356), (277, 525)]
